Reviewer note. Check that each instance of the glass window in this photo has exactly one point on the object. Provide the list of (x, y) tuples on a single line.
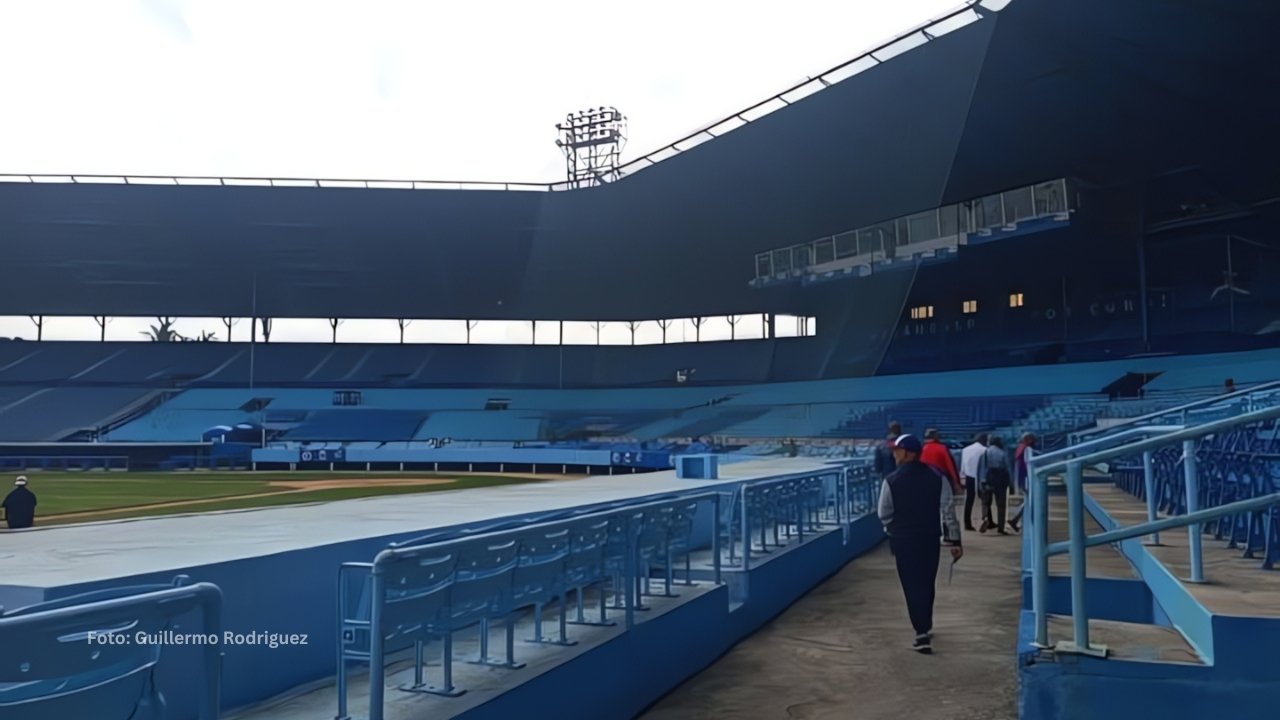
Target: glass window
[(970, 307), (1051, 197), (781, 261), (801, 257), (824, 251), (846, 245), (762, 265), (948, 221), (1018, 205), (888, 234), (922, 227), (1015, 300), (868, 241), (992, 212)]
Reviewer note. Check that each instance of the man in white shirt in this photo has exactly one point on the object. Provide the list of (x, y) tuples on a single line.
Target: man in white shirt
[(972, 470)]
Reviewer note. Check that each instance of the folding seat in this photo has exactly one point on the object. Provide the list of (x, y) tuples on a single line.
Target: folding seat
[(51, 666), (539, 577), (586, 565)]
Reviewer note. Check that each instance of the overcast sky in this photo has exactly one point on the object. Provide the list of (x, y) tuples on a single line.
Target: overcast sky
[(394, 89)]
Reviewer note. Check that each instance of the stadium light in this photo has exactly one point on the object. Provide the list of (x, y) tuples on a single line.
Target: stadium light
[(592, 142)]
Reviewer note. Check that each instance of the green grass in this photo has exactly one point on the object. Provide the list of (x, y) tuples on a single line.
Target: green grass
[(107, 495)]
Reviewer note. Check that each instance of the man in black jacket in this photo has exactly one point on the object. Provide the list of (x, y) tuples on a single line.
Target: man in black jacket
[(20, 505), (916, 508)]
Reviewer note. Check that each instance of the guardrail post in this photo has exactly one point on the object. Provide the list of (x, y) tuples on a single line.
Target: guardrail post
[(1040, 549), (1192, 475), (715, 536), (376, 668), (1075, 519), (746, 532), (1149, 479)]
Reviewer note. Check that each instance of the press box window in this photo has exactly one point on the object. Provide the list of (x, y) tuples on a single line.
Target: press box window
[(924, 312), (970, 307), (347, 398), (1015, 300)]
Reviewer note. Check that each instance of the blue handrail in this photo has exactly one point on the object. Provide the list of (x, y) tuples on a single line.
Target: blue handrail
[(1079, 540)]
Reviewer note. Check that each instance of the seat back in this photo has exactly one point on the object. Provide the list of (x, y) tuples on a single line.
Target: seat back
[(539, 573), (482, 582), (588, 543), (92, 655), (415, 596)]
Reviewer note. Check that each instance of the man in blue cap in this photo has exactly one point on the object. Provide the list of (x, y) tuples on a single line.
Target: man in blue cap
[(918, 512), (20, 505)]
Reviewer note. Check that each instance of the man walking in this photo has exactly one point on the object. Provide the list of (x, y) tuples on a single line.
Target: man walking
[(915, 503), (20, 505), (1027, 442), (936, 455), (972, 470)]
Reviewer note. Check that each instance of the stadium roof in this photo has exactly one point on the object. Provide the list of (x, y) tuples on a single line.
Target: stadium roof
[(1110, 93)]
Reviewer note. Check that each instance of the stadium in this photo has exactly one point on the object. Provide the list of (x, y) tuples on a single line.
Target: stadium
[(1025, 217)]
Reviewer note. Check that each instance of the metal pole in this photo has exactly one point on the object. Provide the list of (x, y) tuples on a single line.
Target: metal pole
[(1075, 518), (376, 669), (1193, 504), (746, 533), (715, 536), (1149, 478), (1039, 489)]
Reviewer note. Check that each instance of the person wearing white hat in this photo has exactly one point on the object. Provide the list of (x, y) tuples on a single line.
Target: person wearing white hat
[(20, 505)]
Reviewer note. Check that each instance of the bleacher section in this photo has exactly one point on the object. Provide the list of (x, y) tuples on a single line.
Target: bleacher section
[(49, 391)]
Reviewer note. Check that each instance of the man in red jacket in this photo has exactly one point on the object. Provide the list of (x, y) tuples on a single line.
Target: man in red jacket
[(939, 457)]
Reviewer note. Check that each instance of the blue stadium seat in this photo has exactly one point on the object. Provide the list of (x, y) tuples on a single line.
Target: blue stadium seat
[(50, 667)]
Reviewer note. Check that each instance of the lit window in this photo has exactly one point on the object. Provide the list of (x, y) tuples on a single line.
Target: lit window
[(923, 312), (970, 307), (1015, 300)]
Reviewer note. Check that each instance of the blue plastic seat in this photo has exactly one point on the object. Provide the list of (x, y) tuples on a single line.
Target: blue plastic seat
[(586, 566), (50, 666), (539, 577)]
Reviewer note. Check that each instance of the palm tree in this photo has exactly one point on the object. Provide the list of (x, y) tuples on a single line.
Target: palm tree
[(163, 331)]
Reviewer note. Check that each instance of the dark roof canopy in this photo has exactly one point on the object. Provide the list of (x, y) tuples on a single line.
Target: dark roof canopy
[(1114, 94)]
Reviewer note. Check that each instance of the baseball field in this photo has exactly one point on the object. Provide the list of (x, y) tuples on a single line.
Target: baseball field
[(88, 497)]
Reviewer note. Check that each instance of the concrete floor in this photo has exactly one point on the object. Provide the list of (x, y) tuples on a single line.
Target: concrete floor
[(1234, 585), (842, 652)]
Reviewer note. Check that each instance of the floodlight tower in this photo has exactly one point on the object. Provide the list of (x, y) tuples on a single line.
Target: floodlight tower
[(592, 141)]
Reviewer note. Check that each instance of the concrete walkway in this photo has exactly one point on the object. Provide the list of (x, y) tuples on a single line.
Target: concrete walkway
[(842, 652)]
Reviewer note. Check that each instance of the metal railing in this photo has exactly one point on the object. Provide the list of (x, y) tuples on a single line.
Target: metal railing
[(946, 226), (1073, 461), (366, 629)]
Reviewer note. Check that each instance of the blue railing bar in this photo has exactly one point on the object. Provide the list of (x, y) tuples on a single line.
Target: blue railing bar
[(207, 595), (1079, 571), (1149, 484), (1060, 457), (1191, 433), (1261, 502), (1191, 477), (1207, 402)]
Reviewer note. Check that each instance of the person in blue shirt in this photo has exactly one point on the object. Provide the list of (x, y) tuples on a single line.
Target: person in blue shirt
[(20, 505), (918, 512)]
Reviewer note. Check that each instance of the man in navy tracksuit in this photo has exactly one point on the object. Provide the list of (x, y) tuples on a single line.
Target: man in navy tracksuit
[(20, 505), (917, 508)]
